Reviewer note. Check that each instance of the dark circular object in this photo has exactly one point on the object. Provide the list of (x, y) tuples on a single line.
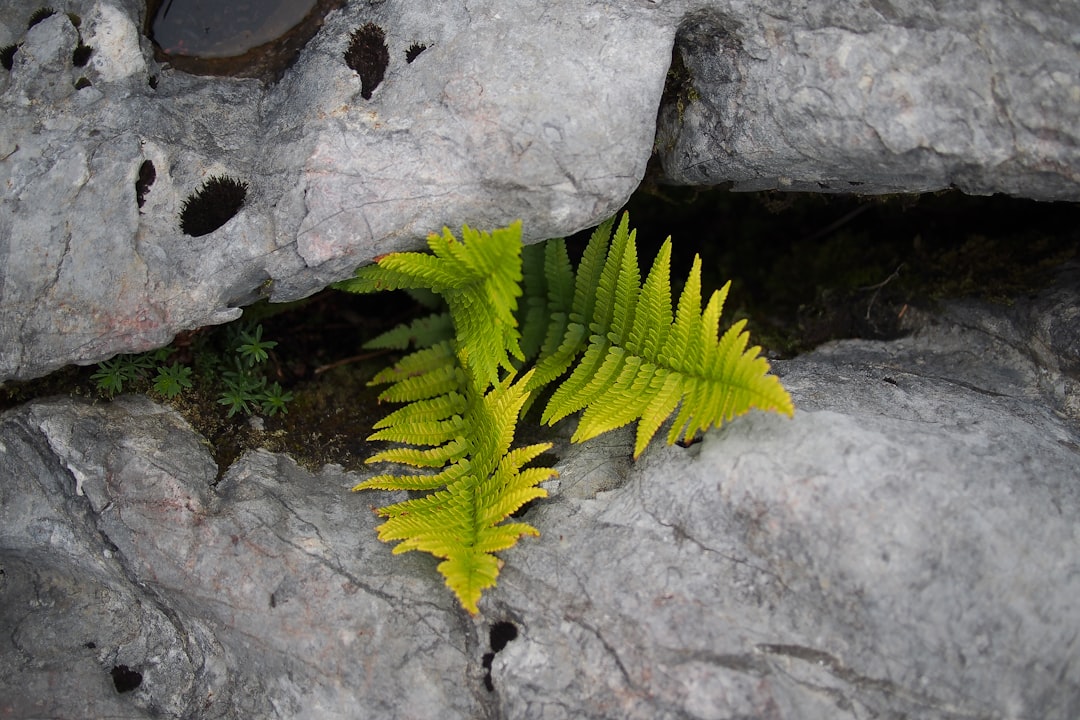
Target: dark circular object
[(245, 38), (212, 205)]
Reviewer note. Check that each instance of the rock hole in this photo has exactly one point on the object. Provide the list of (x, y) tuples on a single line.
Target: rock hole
[(7, 56), (90, 645), (500, 634), (39, 15), (81, 55), (82, 83), (125, 679), (212, 205), (147, 176), (414, 50), (368, 56)]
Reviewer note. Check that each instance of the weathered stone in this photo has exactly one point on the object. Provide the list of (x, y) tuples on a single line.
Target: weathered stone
[(888, 96), (906, 546), (266, 595), (521, 111)]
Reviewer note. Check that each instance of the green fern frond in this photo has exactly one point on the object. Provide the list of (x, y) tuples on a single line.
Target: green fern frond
[(640, 364), (621, 353), (483, 484), (479, 276)]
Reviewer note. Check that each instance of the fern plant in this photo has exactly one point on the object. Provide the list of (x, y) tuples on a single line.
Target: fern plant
[(620, 352)]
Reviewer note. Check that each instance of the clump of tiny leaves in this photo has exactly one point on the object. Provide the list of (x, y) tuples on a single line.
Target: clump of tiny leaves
[(238, 373), (127, 370), (246, 387)]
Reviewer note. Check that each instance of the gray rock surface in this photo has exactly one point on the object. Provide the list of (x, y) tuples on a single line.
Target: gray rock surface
[(906, 546), (514, 111), (877, 96)]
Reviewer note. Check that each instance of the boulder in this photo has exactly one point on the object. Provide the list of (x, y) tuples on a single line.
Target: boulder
[(531, 112), (905, 546)]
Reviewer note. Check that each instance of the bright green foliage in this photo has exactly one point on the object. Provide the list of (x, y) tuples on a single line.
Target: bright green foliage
[(625, 355), (480, 279), (482, 482), (638, 363)]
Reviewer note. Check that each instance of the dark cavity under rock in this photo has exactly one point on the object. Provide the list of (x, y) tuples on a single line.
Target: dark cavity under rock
[(245, 38)]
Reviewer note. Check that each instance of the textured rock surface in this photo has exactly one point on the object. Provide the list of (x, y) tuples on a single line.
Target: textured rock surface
[(513, 111), (906, 546), (877, 96)]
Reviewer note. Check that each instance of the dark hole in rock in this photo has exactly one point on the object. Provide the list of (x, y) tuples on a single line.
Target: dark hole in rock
[(414, 50), (81, 55), (7, 56), (368, 56), (125, 679), (245, 38), (39, 15), (500, 634), (147, 176), (152, 82), (82, 83), (212, 205), (90, 645)]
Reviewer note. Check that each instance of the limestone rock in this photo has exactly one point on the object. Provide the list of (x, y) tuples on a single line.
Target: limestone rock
[(522, 111), (905, 546), (879, 96)]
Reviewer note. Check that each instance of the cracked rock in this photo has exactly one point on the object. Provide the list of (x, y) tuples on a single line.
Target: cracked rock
[(905, 546), (522, 111)]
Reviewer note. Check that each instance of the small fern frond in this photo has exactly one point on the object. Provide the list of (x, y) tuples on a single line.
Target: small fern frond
[(479, 276), (483, 482), (420, 333), (641, 364)]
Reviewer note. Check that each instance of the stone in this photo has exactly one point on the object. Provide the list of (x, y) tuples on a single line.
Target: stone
[(524, 112), (905, 546), (885, 96)]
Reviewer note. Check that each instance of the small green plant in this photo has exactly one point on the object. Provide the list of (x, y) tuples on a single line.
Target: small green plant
[(246, 388), (240, 374), (172, 380), (253, 350), (611, 347), (113, 374)]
